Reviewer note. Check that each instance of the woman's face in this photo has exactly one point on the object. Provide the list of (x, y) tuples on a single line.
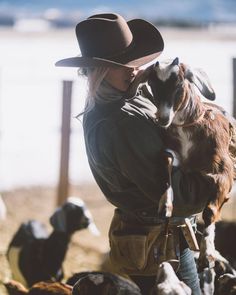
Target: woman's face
[(120, 77)]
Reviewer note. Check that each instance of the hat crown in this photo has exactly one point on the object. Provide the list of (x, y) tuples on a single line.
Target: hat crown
[(103, 35)]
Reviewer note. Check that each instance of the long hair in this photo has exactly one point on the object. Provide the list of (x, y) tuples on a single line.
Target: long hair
[(94, 77)]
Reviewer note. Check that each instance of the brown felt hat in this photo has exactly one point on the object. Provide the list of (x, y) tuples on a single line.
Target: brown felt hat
[(108, 40)]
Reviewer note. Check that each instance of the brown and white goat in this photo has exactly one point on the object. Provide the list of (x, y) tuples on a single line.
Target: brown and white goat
[(40, 288), (199, 133)]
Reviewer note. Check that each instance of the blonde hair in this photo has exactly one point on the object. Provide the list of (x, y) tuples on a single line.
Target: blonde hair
[(94, 77)]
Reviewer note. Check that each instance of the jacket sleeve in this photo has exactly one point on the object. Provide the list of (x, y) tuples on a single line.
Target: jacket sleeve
[(191, 192), (137, 152)]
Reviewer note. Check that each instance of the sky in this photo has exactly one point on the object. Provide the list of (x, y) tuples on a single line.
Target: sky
[(188, 10)]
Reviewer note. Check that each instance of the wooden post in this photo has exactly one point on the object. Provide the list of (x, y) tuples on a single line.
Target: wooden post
[(63, 185), (234, 87)]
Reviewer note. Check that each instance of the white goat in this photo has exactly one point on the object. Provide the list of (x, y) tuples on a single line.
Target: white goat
[(167, 283)]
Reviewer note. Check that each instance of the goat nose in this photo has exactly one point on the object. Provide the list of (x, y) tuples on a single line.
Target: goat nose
[(164, 122)]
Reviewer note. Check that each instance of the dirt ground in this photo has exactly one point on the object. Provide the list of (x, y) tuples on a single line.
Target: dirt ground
[(86, 252)]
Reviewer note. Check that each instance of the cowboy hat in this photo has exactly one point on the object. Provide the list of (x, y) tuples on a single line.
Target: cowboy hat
[(108, 40)]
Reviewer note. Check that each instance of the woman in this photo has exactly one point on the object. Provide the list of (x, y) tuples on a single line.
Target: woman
[(124, 148)]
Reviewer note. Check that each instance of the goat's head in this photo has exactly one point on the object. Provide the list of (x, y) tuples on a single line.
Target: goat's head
[(171, 85), (73, 215)]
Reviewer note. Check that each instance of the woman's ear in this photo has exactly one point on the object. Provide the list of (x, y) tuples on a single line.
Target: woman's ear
[(200, 79)]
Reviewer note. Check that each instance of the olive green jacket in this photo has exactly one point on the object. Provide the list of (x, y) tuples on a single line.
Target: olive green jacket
[(123, 146)]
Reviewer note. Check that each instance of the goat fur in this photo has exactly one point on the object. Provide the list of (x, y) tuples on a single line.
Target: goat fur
[(40, 288), (200, 133)]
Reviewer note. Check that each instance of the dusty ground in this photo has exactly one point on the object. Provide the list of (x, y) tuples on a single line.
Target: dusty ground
[(85, 251)]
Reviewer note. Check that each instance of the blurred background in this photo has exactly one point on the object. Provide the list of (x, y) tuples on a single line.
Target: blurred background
[(33, 36)]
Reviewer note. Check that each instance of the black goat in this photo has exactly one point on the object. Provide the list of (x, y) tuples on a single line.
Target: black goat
[(102, 283), (34, 255)]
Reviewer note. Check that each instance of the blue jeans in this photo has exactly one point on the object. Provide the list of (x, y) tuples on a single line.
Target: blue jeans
[(187, 271)]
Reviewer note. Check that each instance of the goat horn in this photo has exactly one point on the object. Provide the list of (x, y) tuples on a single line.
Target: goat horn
[(175, 62)]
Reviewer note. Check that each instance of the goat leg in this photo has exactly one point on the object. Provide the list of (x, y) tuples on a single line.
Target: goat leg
[(211, 214), (207, 248)]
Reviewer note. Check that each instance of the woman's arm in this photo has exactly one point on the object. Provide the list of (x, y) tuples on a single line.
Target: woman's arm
[(137, 150), (191, 192)]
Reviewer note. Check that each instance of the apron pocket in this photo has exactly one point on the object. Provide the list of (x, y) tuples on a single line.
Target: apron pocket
[(129, 251)]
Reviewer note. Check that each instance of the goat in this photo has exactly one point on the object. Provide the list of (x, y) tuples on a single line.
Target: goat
[(224, 258), (40, 288), (103, 283), (225, 239), (106, 283), (167, 283), (222, 267), (209, 277), (34, 255), (201, 134), (227, 285)]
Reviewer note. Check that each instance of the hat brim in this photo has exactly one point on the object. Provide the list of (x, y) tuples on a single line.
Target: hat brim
[(147, 45)]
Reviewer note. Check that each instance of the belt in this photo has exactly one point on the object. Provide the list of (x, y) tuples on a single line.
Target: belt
[(187, 225), (149, 217)]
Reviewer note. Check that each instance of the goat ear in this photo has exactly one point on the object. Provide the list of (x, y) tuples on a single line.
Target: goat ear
[(175, 62), (58, 220), (142, 77), (200, 79)]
